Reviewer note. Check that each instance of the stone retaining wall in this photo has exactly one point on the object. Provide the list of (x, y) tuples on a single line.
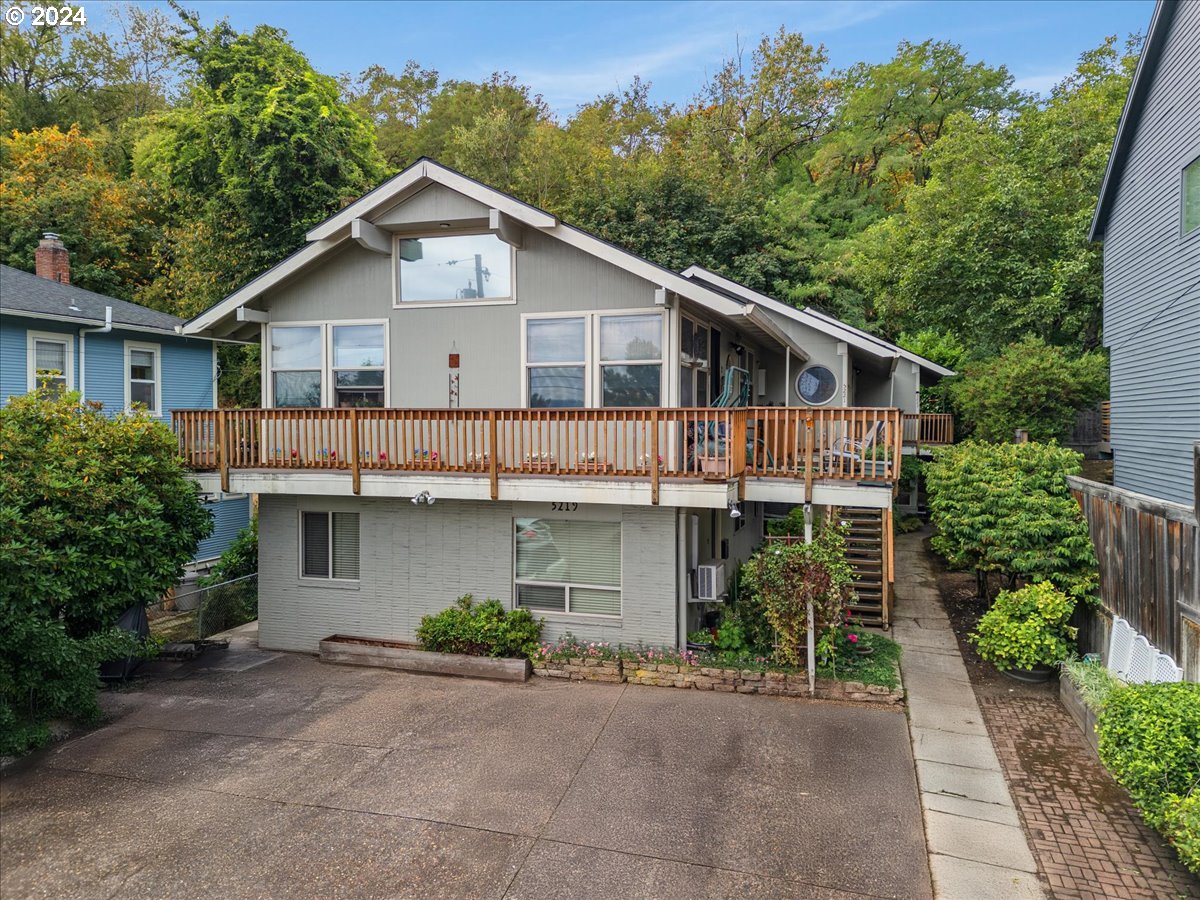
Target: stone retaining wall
[(705, 678)]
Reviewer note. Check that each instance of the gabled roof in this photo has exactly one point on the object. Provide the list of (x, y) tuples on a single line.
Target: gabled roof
[(1131, 115), (752, 310), (22, 293), (813, 318)]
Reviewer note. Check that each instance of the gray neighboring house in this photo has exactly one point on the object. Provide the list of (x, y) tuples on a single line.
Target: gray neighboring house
[(463, 394), (1148, 217)]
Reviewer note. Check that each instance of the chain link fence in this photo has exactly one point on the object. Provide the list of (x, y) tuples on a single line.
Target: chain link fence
[(204, 611)]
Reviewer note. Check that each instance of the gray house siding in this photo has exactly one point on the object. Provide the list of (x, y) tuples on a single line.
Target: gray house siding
[(1152, 283), (550, 276), (416, 560)]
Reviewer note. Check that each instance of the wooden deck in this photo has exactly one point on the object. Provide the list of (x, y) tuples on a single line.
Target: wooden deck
[(928, 429), (852, 444)]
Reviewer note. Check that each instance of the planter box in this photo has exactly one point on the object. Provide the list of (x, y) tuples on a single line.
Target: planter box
[(359, 651), (1084, 717)]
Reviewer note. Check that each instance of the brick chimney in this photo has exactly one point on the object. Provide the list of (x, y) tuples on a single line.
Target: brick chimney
[(51, 259)]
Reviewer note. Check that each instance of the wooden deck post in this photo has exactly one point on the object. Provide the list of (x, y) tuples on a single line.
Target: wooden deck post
[(493, 473), (222, 451), (654, 457), (809, 462), (355, 464)]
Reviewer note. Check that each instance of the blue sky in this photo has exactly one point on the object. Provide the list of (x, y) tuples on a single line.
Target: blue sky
[(570, 52)]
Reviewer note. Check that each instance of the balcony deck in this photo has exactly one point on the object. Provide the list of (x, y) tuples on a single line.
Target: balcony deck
[(748, 450)]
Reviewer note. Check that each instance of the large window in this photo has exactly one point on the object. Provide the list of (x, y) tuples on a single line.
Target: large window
[(568, 566), (334, 364), (329, 545), (1191, 197), (630, 360), (358, 373), (49, 357), (455, 267), (556, 352), (142, 377), (595, 359)]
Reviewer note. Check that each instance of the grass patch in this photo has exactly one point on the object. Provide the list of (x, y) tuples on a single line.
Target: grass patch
[(1094, 682), (878, 668)]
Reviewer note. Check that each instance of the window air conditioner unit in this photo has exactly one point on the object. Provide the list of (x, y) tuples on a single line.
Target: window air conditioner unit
[(710, 583)]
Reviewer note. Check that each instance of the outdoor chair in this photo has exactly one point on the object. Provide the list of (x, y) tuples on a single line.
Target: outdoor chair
[(850, 450)]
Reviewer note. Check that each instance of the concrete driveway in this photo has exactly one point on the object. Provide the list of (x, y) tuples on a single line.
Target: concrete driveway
[(294, 778)]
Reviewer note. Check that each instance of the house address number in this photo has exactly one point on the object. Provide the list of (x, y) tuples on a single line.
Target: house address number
[(564, 507)]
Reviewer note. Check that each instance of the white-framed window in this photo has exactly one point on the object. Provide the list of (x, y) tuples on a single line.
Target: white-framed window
[(1191, 196), (816, 385), (143, 376), (595, 359), (694, 368), (567, 566), (329, 545), (454, 268), (50, 361), (314, 364)]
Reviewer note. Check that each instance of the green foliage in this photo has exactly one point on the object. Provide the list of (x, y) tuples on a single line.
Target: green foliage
[(1181, 825), (1026, 628), (262, 151), (96, 515), (228, 605), (791, 525), (1007, 508), (1030, 386), (1150, 741), (571, 647), (484, 629), (1094, 682), (239, 559), (789, 576)]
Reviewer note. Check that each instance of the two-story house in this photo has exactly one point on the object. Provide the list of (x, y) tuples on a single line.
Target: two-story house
[(1148, 217), (463, 394), (111, 351)]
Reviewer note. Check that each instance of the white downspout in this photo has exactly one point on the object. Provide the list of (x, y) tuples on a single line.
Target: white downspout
[(681, 577), (83, 332)]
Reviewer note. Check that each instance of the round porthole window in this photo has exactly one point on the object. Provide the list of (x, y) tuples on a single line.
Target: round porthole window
[(816, 385)]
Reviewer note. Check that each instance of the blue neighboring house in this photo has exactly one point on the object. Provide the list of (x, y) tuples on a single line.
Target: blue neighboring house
[(48, 325)]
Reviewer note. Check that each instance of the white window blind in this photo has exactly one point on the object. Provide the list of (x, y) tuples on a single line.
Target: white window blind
[(569, 566), (345, 545), (50, 357), (329, 545)]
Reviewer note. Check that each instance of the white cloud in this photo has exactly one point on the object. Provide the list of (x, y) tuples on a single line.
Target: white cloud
[(1040, 83)]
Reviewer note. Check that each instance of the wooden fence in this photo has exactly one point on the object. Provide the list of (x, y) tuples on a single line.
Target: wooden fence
[(1149, 553)]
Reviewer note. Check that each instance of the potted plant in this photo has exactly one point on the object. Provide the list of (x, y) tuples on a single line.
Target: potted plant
[(1025, 634)]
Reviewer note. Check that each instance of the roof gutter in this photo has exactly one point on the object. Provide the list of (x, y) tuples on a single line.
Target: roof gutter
[(83, 333)]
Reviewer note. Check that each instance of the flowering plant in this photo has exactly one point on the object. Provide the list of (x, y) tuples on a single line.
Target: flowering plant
[(665, 656), (571, 647)]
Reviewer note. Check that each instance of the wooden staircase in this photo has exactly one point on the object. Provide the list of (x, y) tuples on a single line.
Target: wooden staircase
[(869, 550)]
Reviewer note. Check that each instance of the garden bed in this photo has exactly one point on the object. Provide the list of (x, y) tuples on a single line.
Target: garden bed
[(361, 651), (659, 668)]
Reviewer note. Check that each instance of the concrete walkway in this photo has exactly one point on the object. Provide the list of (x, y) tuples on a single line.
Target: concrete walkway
[(977, 848)]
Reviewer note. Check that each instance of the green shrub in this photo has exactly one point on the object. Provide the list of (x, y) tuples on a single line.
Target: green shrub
[(1029, 386), (484, 629), (96, 514), (1007, 508), (239, 559), (1181, 825), (1026, 628), (788, 576), (790, 525), (1150, 741)]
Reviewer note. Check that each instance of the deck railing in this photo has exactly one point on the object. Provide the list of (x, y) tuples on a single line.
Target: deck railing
[(860, 444), (928, 428)]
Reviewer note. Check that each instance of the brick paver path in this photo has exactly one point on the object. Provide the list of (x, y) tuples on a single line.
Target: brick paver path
[(1088, 839)]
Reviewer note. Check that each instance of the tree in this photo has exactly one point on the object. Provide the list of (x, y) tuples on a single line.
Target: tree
[(1030, 386), (262, 151), (62, 181), (96, 515), (394, 104)]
